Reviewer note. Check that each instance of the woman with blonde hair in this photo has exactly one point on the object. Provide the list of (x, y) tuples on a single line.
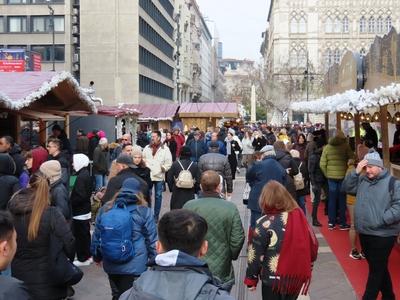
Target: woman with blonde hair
[(283, 247), (35, 222), (124, 237)]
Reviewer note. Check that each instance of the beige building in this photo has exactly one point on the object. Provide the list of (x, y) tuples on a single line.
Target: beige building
[(311, 35)]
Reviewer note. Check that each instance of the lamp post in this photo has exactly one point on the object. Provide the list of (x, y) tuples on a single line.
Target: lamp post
[(308, 77), (52, 55)]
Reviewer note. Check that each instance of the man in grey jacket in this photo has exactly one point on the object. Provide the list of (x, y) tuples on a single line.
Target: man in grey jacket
[(377, 217), (218, 163), (177, 272)]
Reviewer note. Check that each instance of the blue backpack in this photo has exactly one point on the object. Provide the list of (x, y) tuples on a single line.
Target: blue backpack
[(116, 231)]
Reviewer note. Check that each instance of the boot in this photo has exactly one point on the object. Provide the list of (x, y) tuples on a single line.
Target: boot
[(315, 221)]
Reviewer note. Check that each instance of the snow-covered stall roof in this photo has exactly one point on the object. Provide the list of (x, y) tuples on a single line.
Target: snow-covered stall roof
[(205, 110), (351, 101), (117, 111), (154, 111), (57, 91)]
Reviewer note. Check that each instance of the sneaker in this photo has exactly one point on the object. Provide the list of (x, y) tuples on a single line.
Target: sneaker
[(354, 254), (85, 263), (331, 226), (344, 227), (238, 170)]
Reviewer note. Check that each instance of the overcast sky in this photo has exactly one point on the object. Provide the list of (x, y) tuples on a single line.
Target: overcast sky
[(239, 23)]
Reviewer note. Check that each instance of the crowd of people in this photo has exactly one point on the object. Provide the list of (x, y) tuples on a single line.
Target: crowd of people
[(54, 195)]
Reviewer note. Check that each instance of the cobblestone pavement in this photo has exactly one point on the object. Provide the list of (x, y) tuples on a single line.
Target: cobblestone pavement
[(329, 281)]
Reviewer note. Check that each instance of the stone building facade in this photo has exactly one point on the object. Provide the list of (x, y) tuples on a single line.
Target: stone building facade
[(305, 37)]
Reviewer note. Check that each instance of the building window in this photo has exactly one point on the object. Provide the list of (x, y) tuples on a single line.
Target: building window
[(388, 23), (293, 58), (345, 25), (302, 60), (155, 88), (371, 25), (302, 25), (16, 24), (363, 25), (168, 7), (17, 1), (294, 25), (379, 25), (2, 29), (148, 59), (43, 23), (337, 25), (337, 56), (25, 47), (151, 9), (45, 51), (47, 1), (328, 25), (363, 52), (328, 58), (148, 32)]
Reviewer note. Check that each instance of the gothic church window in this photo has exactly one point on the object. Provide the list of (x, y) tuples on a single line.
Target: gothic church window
[(337, 56), (328, 25), (328, 58), (302, 58), (371, 25), (388, 23), (337, 25), (345, 24), (293, 58), (293, 25), (302, 25), (363, 25), (379, 25)]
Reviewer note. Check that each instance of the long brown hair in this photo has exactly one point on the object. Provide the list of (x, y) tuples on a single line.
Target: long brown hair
[(41, 201), (275, 196)]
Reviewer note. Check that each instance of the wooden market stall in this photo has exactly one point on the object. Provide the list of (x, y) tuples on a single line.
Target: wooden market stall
[(365, 89), (203, 115), (42, 97)]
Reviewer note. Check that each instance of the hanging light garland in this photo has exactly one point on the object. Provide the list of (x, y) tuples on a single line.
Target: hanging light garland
[(376, 117), (349, 116), (396, 117), (362, 117), (368, 117)]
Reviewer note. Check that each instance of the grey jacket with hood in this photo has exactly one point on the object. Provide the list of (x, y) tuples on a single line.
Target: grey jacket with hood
[(376, 211)]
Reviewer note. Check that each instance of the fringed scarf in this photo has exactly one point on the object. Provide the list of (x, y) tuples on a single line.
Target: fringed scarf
[(299, 250)]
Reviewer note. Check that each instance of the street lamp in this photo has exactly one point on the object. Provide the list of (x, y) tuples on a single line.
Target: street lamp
[(51, 13), (308, 77)]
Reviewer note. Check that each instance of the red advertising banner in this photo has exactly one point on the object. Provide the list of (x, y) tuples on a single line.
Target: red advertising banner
[(36, 62), (12, 65)]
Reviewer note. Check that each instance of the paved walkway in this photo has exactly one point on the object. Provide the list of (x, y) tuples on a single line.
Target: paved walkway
[(329, 281)]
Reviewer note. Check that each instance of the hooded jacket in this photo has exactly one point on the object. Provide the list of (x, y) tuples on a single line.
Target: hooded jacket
[(334, 158), (225, 233), (143, 239), (376, 211), (8, 182), (177, 275), (82, 190), (31, 261), (19, 160)]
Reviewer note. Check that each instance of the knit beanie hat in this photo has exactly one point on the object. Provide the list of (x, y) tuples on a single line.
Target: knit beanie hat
[(268, 150), (373, 158), (80, 161), (52, 170), (103, 141)]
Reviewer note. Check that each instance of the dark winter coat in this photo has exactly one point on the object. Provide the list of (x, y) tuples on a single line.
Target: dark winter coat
[(144, 237), (81, 193), (31, 261), (19, 160), (259, 143), (302, 149), (93, 142), (65, 167), (8, 182), (218, 163), (101, 161), (271, 138), (315, 173), (287, 162), (372, 137), (197, 148), (172, 145), (259, 175), (82, 145), (116, 182), (12, 288), (180, 196), (144, 173), (59, 197)]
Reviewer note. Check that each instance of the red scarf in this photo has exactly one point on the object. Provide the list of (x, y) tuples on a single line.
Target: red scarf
[(299, 250), (154, 148)]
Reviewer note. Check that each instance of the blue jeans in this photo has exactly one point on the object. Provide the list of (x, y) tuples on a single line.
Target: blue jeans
[(101, 180), (158, 189), (301, 201), (336, 197)]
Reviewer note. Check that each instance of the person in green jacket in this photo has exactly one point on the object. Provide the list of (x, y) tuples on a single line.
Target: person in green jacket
[(333, 164), (225, 234)]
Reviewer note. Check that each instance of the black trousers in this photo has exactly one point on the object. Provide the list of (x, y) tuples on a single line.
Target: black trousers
[(377, 251), (120, 283), (268, 294), (233, 163), (81, 231)]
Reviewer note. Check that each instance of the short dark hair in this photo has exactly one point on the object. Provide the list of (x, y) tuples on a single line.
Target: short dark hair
[(183, 230), (9, 140), (55, 141), (6, 226), (158, 132)]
